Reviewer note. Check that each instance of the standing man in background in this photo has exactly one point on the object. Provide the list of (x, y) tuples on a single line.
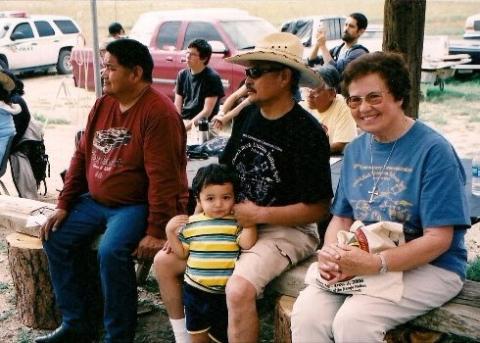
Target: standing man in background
[(344, 53), (199, 87)]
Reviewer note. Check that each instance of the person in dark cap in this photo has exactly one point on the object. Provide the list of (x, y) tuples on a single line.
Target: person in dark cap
[(331, 110)]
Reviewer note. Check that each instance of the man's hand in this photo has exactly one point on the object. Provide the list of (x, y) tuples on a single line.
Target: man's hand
[(148, 247), (247, 213), (52, 223), (218, 121)]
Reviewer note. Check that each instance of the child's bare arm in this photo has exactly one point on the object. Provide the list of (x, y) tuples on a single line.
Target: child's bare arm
[(172, 230), (248, 237)]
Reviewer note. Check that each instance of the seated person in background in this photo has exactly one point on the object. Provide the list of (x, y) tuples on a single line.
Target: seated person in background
[(390, 173), (331, 110), (211, 242), (344, 53), (198, 88), (7, 109), (29, 133), (232, 106)]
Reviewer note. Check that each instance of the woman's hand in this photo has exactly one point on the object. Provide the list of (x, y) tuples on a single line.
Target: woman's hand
[(328, 266), (339, 262)]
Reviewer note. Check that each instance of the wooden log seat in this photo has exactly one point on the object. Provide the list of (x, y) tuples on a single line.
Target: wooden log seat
[(460, 316)]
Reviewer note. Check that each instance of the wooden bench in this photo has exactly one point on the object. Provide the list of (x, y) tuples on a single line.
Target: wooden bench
[(460, 316)]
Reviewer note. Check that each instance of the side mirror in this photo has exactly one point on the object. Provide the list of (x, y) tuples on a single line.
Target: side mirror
[(218, 47), (17, 36)]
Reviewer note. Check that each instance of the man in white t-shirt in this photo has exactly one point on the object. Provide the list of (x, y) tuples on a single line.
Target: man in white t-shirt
[(331, 110)]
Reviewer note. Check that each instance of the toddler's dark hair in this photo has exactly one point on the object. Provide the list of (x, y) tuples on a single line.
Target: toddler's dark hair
[(213, 174)]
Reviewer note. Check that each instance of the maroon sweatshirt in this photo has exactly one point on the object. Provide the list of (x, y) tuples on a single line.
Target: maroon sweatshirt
[(134, 157)]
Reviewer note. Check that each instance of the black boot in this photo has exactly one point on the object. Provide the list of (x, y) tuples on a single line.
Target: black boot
[(63, 335)]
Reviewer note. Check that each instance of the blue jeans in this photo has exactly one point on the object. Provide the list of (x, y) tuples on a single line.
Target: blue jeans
[(122, 227)]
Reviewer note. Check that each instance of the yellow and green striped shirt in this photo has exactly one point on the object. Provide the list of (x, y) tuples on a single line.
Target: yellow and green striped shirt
[(212, 246)]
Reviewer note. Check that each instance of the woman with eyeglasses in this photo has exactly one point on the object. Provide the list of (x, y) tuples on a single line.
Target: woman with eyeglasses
[(400, 171)]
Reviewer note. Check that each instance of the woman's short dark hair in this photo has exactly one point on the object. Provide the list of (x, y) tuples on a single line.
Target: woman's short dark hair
[(131, 53), (213, 174), (390, 66), (204, 49)]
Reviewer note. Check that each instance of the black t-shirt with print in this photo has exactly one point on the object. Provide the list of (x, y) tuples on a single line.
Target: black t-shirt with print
[(279, 162), (195, 88)]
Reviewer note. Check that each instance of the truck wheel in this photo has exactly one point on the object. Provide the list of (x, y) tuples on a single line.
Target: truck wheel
[(63, 65), (3, 65)]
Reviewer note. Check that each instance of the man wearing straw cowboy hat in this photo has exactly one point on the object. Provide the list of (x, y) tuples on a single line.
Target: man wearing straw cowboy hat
[(281, 155)]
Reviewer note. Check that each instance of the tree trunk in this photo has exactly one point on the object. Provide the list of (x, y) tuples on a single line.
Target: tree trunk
[(33, 290), (404, 26)]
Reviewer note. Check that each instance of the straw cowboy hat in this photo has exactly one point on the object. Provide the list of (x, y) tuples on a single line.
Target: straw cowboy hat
[(6, 82), (284, 48)]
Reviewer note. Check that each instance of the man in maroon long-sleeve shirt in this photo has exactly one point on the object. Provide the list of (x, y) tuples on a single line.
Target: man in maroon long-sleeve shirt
[(126, 179)]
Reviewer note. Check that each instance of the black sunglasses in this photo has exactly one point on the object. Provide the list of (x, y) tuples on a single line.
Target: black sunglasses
[(256, 72)]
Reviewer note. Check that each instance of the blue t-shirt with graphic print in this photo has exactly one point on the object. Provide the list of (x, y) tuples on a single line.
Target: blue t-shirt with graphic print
[(422, 186)]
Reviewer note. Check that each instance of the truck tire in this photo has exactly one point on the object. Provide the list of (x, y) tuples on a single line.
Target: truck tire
[(63, 65), (3, 65)]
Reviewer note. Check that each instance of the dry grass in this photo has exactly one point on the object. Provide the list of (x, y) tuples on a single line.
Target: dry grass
[(442, 17)]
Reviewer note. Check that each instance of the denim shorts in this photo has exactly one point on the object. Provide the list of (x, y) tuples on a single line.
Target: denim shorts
[(205, 312)]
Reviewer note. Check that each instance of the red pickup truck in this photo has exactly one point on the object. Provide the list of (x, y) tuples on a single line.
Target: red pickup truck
[(167, 34)]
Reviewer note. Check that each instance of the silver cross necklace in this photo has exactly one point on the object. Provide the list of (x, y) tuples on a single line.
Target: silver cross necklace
[(374, 192)]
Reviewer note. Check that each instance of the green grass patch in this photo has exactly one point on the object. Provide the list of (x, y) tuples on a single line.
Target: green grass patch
[(4, 287), (151, 284), (6, 314), (56, 121), (473, 270), (23, 336)]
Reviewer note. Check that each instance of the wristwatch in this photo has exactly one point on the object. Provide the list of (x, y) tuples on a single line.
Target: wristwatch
[(383, 264)]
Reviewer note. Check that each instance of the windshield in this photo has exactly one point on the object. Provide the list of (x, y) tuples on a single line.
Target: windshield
[(245, 33)]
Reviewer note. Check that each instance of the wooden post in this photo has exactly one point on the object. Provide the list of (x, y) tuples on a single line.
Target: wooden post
[(33, 290)]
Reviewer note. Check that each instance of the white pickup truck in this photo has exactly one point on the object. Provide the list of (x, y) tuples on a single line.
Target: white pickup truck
[(37, 42)]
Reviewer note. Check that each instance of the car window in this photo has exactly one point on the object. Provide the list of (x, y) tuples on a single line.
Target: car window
[(25, 29), (66, 26), (244, 33), (200, 29), (44, 28), (167, 35)]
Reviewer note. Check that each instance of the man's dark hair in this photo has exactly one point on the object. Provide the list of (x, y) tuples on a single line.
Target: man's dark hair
[(204, 49), (390, 66), (115, 29), (213, 174), (362, 21), (131, 53)]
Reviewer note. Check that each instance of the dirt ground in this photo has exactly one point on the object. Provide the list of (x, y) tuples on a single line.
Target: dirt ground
[(65, 108)]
